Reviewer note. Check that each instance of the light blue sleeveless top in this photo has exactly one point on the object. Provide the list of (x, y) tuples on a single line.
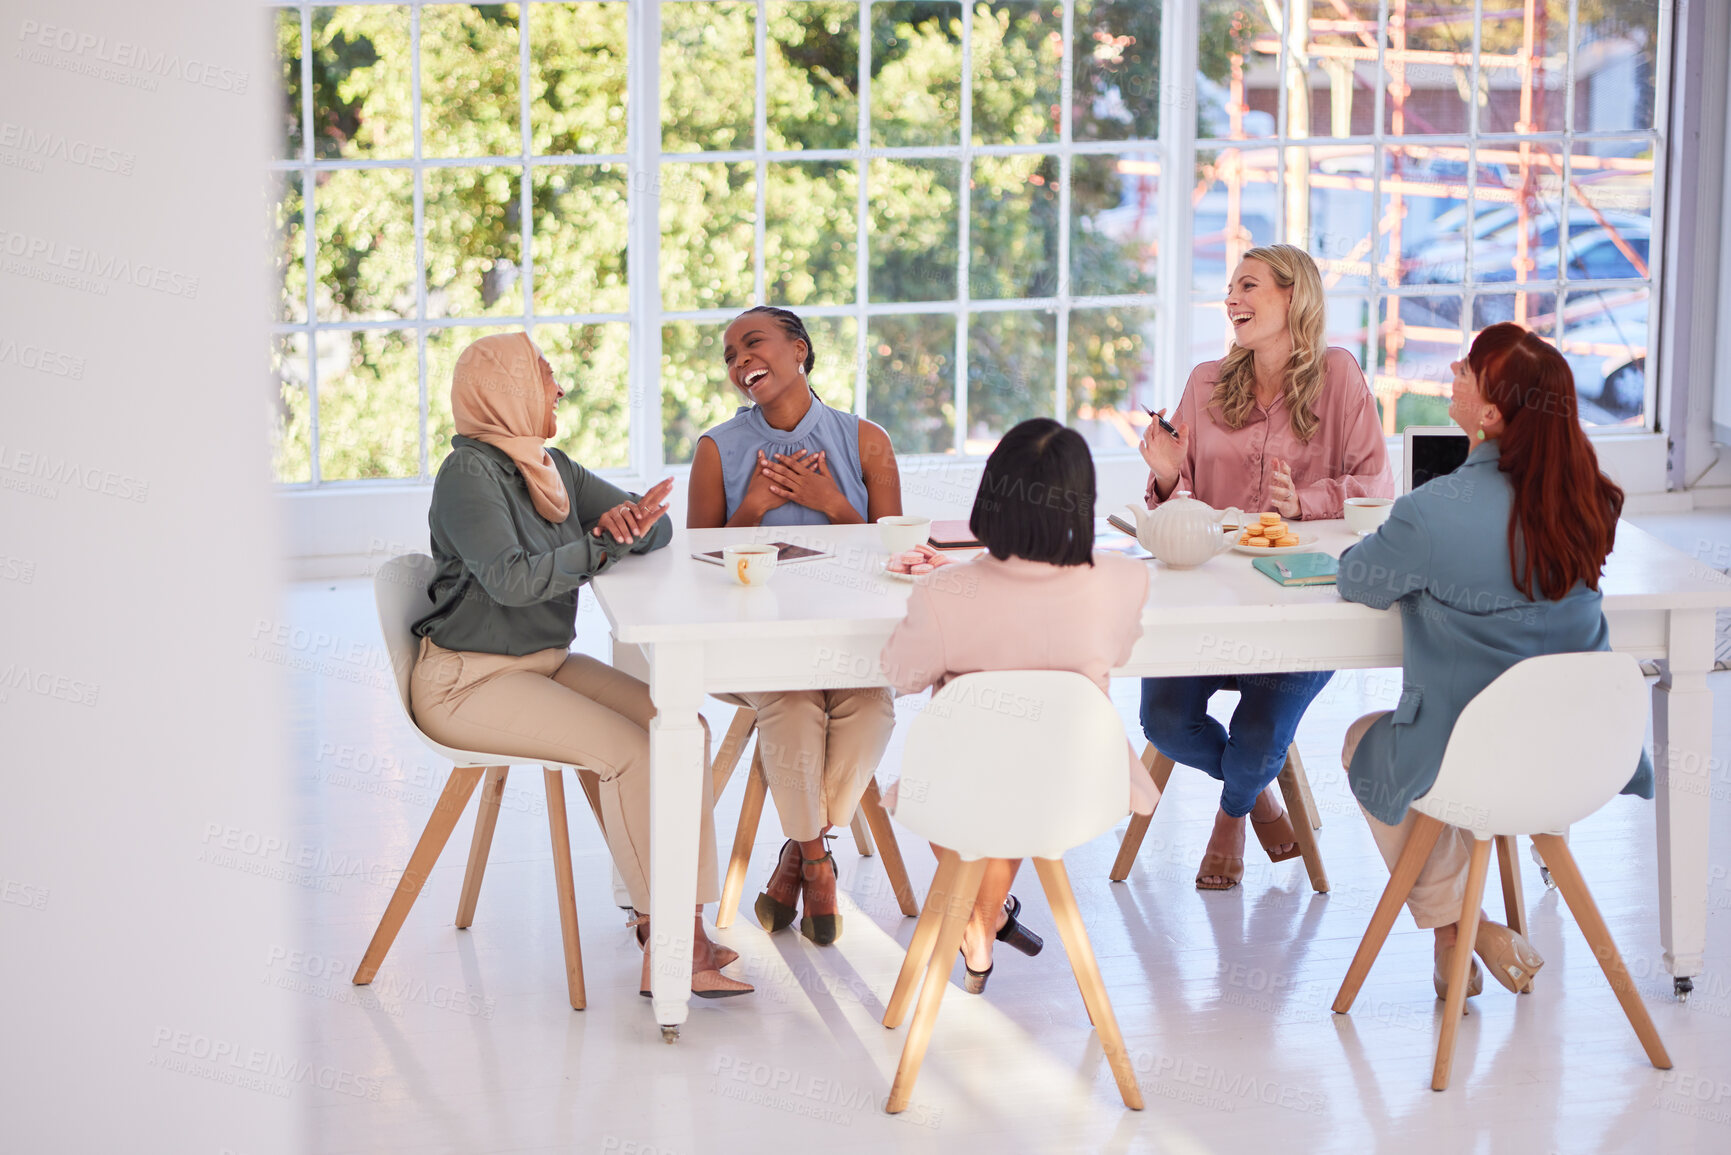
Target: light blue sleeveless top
[(739, 438)]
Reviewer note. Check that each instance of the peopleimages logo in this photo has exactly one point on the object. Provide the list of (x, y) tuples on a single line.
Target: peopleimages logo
[(88, 262), (125, 54)]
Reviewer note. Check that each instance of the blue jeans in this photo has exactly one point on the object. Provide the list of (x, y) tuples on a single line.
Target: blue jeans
[(1175, 718)]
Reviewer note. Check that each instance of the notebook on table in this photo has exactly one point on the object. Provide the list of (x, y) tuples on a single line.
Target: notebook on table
[(1300, 569), (954, 535)]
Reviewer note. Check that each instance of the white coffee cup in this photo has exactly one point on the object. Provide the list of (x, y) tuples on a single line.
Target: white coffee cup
[(901, 534), (1364, 514), (750, 565)]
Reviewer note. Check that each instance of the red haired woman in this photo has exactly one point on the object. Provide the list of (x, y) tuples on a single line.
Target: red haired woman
[(1496, 562)]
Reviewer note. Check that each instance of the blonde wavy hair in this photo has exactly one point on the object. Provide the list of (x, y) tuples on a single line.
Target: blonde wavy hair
[(1306, 320)]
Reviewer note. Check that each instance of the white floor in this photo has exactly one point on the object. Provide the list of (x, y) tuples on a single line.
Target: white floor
[(465, 1042)]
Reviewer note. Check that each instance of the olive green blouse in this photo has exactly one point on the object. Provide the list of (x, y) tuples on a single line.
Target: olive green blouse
[(508, 578)]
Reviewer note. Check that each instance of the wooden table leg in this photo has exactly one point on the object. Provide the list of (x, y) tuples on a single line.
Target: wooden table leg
[(486, 817)]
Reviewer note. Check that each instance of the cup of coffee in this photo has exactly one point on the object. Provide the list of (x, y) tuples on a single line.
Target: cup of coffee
[(1364, 514), (901, 534), (750, 565)]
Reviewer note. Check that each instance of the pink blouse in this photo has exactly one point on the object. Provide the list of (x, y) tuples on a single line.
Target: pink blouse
[(1345, 457), (1082, 618)]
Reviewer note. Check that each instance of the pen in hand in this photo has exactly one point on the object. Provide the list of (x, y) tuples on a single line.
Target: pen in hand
[(1164, 424)]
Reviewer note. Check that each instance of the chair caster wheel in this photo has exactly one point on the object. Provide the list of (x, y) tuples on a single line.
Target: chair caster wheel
[(1682, 987), (670, 1034), (1545, 873)]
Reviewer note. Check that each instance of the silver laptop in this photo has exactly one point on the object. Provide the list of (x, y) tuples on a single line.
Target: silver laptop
[(1429, 452)]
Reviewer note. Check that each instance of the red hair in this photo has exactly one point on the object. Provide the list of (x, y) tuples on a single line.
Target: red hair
[(1564, 518)]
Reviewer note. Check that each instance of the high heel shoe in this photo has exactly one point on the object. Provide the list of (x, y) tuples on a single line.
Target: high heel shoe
[(772, 913), (1017, 935), (724, 955), (708, 983), (822, 929), (975, 981), (1439, 977), (1510, 958)]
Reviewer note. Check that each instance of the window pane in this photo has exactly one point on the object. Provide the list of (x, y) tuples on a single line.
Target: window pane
[(911, 381), (1329, 90), (1209, 337), (470, 73), (1114, 225), (289, 253), (291, 416), (361, 82), (1011, 373), (812, 75), (913, 229), (1111, 376), (593, 364), (1614, 65), (707, 216), (1532, 308), (916, 74), (474, 241), (1332, 206), (1605, 340), (1237, 59), (1013, 230), (708, 76), (695, 392), (286, 32), (811, 236), (1429, 94), (1424, 197), (1411, 369), (577, 88), (1349, 327), (366, 244), (1611, 210), (1505, 105), (369, 405), (580, 239), (1239, 209), (1018, 71), (1117, 70), (444, 346), (833, 376)]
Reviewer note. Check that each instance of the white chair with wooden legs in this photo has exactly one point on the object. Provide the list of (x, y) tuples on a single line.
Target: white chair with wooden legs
[(400, 592), (871, 823), (985, 783), (1294, 789), (1549, 742)]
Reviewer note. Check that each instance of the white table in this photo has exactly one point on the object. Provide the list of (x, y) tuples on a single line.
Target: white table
[(688, 631)]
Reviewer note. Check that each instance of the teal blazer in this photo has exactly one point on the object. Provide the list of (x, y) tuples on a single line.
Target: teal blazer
[(1443, 557)]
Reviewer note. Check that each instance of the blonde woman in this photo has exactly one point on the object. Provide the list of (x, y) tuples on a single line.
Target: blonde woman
[(1281, 423)]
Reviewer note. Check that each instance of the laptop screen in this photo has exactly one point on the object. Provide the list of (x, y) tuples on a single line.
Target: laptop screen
[(1431, 451)]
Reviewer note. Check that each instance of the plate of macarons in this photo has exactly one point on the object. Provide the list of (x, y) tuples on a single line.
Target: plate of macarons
[(1270, 534)]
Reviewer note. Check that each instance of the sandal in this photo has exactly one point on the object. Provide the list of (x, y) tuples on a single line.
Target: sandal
[(772, 913), (1229, 867), (1015, 934), (822, 929), (1277, 832)]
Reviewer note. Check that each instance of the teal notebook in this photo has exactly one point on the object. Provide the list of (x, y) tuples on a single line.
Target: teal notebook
[(1302, 569)]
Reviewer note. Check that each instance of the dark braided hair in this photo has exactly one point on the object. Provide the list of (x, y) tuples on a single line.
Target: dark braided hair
[(793, 327)]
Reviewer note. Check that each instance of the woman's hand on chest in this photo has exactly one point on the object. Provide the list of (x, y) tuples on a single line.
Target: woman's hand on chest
[(804, 479)]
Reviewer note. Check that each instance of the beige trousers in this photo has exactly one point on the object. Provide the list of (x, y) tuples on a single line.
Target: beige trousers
[(1442, 882), (561, 707), (819, 749)]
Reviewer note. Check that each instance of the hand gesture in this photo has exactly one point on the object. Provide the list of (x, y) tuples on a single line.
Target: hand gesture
[(1281, 490), (804, 479), (630, 520), (1165, 453), (759, 498)]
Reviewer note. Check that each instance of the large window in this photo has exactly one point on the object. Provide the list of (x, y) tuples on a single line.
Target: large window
[(963, 199)]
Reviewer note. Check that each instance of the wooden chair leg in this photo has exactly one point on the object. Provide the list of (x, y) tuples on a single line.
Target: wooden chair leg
[(1087, 970), (1514, 901), (938, 900), (486, 816), (949, 941), (1574, 888), (750, 813), (1461, 963), (871, 805), (1298, 804), (566, 886), (1425, 831), (1160, 769), (727, 757), (443, 820), (862, 834), (1310, 806)]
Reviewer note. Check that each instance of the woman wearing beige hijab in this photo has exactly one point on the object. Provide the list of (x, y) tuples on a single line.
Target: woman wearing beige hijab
[(517, 528)]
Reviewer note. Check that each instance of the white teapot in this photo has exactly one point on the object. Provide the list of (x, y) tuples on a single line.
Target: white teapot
[(1182, 532)]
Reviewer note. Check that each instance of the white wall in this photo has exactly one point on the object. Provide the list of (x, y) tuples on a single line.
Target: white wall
[(138, 554)]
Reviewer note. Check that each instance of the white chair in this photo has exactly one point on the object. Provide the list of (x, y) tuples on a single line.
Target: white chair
[(1545, 745), (1008, 764), (400, 592)]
